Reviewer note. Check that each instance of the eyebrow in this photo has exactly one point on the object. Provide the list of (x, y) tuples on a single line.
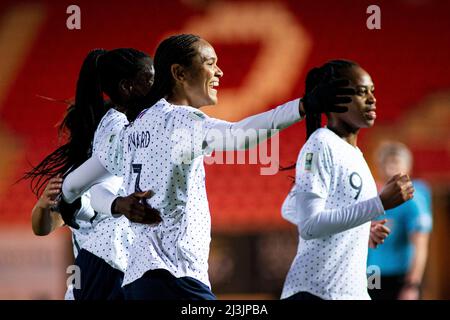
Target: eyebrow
[(209, 58), (365, 87)]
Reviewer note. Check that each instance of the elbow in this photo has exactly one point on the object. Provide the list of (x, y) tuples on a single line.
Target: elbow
[(69, 190), (306, 232), (39, 231), (41, 234), (305, 235)]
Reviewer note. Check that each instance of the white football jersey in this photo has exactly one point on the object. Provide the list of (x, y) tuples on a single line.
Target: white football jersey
[(163, 151), (87, 223), (330, 264), (112, 237), (155, 146), (100, 233)]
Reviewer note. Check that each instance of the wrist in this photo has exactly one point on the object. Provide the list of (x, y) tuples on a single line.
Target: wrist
[(114, 207), (383, 201), (41, 205), (301, 108)]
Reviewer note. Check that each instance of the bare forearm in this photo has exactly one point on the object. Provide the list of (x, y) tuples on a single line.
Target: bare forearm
[(44, 221), (415, 273)]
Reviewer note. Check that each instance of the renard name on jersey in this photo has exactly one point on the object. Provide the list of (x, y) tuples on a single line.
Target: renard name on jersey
[(138, 140)]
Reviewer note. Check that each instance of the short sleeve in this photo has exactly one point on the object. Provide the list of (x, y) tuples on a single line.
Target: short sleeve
[(314, 168), (108, 141), (110, 153), (111, 123)]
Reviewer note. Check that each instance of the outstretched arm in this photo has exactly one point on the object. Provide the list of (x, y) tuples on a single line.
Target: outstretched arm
[(245, 134)]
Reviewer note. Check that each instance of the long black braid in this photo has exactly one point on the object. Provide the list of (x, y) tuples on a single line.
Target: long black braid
[(100, 73), (178, 49)]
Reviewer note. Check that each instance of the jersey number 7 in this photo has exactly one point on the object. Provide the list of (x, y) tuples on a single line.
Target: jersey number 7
[(137, 168)]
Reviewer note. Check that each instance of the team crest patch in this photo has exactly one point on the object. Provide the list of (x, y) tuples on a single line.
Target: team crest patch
[(196, 115), (308, 161)]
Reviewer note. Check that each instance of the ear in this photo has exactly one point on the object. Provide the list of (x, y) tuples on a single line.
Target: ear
[(178, 72), (125, 88)]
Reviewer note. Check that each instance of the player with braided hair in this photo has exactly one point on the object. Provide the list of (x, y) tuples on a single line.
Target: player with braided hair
[(335, 196), (163, 150), (125, 75)]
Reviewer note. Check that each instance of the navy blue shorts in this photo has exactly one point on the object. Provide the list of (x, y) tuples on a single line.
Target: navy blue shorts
[(99, 281), (160, 284)]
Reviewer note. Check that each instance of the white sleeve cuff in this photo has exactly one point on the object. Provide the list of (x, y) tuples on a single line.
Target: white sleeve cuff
[(102, 199)]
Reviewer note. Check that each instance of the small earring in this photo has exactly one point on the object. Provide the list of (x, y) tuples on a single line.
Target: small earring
[(131, 88)]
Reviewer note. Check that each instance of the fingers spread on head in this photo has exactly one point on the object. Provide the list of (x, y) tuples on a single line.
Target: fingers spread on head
[(340, 83), (342, 100), (345, 91)]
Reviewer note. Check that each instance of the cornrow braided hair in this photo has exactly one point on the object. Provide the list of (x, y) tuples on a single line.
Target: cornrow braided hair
[(177, 49), (329, 72)]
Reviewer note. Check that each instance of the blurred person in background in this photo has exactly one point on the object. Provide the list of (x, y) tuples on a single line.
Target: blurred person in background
[(403, 256)]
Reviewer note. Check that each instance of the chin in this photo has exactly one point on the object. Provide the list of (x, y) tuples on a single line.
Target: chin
[(370, 123), (212, 101)]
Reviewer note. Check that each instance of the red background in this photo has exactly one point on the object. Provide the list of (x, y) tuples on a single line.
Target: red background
[(408, 60)]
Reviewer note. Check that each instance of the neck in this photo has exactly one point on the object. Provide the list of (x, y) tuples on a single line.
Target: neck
[(177, 101), (178, 97), (120, 108), (343, 130)]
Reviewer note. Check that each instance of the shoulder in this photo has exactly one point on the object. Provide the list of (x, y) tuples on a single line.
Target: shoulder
[(184, 117), (113, 118), (320, 142), (190, 113), (164, 109), (316, 153), (321, 139)]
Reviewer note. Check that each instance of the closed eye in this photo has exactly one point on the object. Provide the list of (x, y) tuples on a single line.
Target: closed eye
[(361, 92)]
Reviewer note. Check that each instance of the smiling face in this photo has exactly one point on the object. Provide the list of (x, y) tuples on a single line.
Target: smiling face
[(202, 77), (361, 111)]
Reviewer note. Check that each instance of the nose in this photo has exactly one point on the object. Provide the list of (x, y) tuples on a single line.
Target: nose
[(372, 98), (219, 72)]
